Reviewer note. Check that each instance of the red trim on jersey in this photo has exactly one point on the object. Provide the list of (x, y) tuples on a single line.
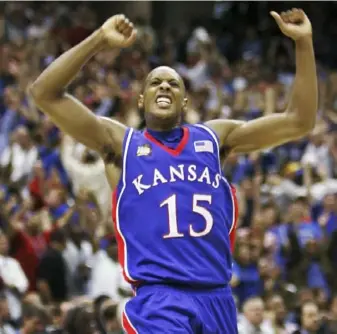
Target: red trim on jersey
[(120, 241), (174, 151), (232, 233), (127, 325)]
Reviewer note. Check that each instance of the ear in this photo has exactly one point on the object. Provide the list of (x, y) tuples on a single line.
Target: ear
[(185, 104), (140, 102)]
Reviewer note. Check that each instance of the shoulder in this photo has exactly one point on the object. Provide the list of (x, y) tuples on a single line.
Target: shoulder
[(223, 128), (115, 128), (202, 129)]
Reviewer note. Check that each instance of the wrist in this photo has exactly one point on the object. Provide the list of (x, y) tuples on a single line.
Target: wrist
[(99, 40), (102, 42), (305, 41)]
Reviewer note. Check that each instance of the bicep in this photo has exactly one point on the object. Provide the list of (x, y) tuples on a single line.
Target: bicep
[(261, 133), (79, 122)]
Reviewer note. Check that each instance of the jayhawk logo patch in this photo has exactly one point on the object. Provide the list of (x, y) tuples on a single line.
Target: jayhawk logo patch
[(144, 150)]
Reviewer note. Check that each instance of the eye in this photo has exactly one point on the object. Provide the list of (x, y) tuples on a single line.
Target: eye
[(174, 84), (155, 83)]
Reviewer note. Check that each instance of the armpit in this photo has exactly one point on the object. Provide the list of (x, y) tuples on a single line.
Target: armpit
[(111, 157)]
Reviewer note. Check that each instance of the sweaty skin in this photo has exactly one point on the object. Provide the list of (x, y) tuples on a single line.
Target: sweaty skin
[(164, 101)]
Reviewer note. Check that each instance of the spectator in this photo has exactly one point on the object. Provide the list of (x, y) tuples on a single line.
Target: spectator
[(252, 321), (77, 254), (20, 157), (286, 246), (279, 316), (35, 319), (107, 278), (5, 327), (52, 273), (81, 319), (310, 319), (13, 280)]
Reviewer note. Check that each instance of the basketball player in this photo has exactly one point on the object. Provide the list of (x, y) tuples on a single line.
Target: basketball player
[(171, 221)]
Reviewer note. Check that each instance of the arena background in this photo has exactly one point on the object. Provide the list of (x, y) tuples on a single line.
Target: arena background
[(58, 254)]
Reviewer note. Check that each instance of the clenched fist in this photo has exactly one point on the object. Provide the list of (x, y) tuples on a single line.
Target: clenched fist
[(293, 23), (119, 32)]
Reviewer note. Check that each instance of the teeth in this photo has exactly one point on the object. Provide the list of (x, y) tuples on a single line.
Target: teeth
[(163, 100)]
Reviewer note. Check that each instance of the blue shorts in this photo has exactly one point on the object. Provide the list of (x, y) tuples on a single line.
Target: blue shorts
[(159, 309)]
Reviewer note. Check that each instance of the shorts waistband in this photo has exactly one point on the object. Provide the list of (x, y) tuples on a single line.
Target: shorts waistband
[(183, 288)]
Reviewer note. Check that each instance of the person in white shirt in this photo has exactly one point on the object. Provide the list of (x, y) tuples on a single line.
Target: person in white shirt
[(21, 156), (85, 175), (106, 275), (77, 254), (13, 280), (252, 321), (5, 328)]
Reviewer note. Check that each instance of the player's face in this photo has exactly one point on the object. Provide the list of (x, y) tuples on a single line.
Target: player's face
[(164, 98)]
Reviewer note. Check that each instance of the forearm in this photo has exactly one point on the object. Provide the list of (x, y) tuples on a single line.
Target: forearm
[(304, 100), (52, 82)]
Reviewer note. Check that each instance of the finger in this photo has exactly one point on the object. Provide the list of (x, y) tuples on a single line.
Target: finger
[(125, 24), (302, 14), (285, 16), (277, 18), (118, 19), (122, 24), (293, 18), (132, 38), (128, 31), (296, 17)]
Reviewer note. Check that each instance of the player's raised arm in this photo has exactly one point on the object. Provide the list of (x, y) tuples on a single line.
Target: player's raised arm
[(69, 114), (300, 115)]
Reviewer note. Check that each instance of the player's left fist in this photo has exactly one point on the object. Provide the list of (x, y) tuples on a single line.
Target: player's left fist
[(293, 23)]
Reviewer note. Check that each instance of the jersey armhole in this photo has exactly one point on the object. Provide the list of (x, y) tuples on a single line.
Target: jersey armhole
[(215, 139), (126, 145), (210, 131)]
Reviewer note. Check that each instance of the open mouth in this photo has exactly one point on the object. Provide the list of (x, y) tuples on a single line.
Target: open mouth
[(163, 101)]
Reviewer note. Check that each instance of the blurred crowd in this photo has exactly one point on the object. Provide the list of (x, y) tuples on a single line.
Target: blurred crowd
[(58, 256)]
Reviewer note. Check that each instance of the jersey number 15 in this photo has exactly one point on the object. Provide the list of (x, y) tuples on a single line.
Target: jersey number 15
[(171, 203)]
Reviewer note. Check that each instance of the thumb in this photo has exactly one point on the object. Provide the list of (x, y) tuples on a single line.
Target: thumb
[(277, 18)]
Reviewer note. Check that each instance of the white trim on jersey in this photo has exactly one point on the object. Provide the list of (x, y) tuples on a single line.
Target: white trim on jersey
[(126, 315), (125, 153), (233, 204), (129, 322), (216, 142), (220, 170)]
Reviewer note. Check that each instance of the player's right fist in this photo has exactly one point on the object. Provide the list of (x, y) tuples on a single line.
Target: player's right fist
[(119, 32)]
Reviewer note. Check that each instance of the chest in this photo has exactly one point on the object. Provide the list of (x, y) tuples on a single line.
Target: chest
[(154, 165)]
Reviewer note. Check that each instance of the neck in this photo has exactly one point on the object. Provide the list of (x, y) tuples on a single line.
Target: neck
[(161, 128), (158, 124)]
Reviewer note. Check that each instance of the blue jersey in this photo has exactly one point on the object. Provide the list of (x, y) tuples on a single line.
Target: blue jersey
[(174, 211)]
